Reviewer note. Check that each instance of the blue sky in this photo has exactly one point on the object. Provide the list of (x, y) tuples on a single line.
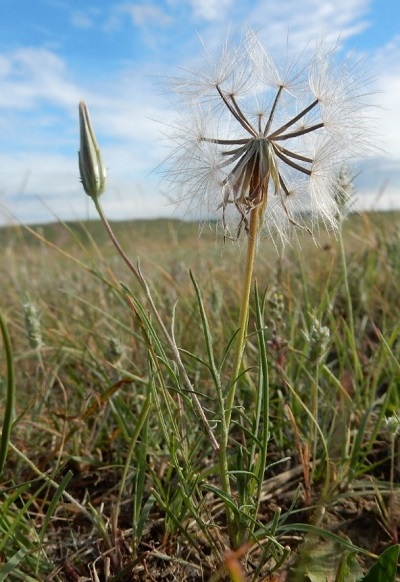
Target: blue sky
[(114, 54)]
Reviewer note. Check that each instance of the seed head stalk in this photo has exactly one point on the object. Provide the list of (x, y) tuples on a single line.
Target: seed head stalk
[(255, 224)]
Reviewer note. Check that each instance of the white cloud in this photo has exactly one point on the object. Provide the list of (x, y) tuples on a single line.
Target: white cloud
[(385, 66), (210, 9), (148, 14), (305, 20), (81, 20), (29, 75)]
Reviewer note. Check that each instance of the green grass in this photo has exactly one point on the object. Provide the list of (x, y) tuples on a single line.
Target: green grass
[(110, 472)]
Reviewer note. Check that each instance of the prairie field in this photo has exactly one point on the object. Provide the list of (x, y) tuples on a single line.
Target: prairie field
[(112, 408)]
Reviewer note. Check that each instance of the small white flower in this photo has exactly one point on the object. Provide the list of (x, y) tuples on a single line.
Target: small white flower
[(251, 137)]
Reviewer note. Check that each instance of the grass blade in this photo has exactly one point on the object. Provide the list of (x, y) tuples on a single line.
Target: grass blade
[(9, 408)]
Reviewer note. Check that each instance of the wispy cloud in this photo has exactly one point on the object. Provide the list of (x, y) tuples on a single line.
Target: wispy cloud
[(210, 9), (80, 19), (29, 75), (148, 14), (386, 67), (145, 16), (304, 20)]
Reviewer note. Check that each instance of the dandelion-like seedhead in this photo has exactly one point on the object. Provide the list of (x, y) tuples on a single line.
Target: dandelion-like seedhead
[(250, 136)]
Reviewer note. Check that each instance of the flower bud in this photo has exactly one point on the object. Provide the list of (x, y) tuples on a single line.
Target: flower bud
[(91, 167)]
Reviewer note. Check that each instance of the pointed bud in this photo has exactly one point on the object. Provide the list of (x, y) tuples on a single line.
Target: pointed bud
[(91, 167)]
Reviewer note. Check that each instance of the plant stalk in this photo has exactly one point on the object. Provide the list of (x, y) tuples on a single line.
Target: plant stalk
[(9, 407), (356, 362), (254, 226), (254, 229)]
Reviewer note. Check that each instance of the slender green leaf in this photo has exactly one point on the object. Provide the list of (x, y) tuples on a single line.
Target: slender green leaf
[(52, 507), (9, 407), (8, 569)]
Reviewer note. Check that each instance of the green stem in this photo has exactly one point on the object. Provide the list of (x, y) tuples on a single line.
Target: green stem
[(392, 460), (314, 427), (346, 283), (139, 425), (9, 408), (51, 482), (254, 227), (114, 239), (244, 309), (356, 361), (215, 372)]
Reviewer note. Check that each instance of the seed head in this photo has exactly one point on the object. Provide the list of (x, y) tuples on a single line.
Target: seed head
[(114, 351), (392, 424), (251, 136), (276, 306), (91, 167), (318, 339), (344, 191), (32, 325)]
